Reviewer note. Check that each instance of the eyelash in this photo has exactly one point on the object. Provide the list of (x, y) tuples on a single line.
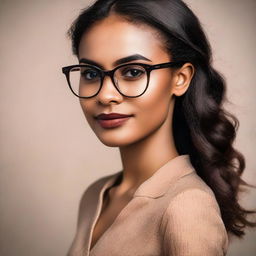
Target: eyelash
[(124, 72)]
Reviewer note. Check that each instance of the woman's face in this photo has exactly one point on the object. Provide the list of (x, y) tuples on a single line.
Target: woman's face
[(112, 39)]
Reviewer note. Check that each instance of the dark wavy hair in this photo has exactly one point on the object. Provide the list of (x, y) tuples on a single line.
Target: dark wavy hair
[(202, 127)]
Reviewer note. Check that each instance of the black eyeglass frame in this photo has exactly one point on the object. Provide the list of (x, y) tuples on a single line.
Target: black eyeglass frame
[(103, 73)]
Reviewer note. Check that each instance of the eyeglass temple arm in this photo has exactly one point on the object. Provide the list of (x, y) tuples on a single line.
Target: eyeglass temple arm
[(168, 64), (68, 68)]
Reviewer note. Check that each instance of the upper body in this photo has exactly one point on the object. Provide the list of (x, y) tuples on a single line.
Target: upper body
[(174, 212), (146, 85)]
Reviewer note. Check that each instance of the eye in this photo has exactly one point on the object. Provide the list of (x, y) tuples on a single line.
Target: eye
[(90, 74), (132, 72)]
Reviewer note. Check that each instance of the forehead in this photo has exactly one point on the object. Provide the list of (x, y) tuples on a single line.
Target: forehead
[(114, 38)]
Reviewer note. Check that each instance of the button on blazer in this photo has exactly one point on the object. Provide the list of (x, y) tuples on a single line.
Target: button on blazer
[(174, 213)]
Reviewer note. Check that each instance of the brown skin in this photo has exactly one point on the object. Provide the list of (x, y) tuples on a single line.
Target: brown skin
[(145, 141)]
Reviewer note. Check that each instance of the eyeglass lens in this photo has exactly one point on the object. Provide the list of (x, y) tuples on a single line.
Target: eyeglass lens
[(131, 80)]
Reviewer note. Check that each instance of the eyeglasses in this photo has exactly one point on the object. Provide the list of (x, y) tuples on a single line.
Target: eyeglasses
[(130, 80)]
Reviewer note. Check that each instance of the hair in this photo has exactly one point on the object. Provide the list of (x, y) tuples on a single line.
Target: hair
[(202, 127)]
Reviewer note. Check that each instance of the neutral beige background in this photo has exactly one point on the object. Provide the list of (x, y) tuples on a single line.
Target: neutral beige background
[(48, 153)]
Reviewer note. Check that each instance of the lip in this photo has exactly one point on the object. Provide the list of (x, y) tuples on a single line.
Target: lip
[(111, 123), (112, 120), (104, 116)]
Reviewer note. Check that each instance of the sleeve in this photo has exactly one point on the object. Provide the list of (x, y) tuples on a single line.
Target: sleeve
[(192, 226)]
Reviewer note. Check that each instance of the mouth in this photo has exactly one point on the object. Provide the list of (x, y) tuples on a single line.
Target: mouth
[(104, 116), (112, 120)]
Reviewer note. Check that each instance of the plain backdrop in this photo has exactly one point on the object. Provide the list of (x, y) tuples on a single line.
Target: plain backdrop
[(48, 153)]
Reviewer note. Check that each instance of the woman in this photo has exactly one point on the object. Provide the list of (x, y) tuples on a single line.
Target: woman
[(146, 85)]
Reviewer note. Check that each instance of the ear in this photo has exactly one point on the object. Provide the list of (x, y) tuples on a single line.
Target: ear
[(182, 78)]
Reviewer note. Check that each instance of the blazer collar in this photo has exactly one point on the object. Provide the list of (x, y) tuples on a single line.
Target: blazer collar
[(159, 183)]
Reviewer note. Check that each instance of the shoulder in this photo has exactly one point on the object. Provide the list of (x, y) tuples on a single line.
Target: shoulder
[(89, 199), (98, 183), (192, 223), (193, 199), (191, 181), (191, 192), (96, 186)]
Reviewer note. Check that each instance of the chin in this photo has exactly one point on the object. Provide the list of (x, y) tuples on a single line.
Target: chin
[(117, 140)]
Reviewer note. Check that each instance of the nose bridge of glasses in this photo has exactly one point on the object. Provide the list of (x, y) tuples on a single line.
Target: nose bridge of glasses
[(109, 73)]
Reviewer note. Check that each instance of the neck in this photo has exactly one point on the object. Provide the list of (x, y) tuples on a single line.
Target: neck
[(142, 159)]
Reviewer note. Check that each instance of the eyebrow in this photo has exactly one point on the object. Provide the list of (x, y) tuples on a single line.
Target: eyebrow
[(117, 62)]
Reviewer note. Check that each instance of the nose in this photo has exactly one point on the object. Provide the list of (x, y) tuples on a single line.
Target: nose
[(108, 92)]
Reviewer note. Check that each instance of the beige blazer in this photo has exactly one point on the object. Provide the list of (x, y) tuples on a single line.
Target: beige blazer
[(173, 213)]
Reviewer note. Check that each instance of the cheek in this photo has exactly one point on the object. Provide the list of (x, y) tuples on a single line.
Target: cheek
[(153, 106), (151, 112), (89, 110)]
